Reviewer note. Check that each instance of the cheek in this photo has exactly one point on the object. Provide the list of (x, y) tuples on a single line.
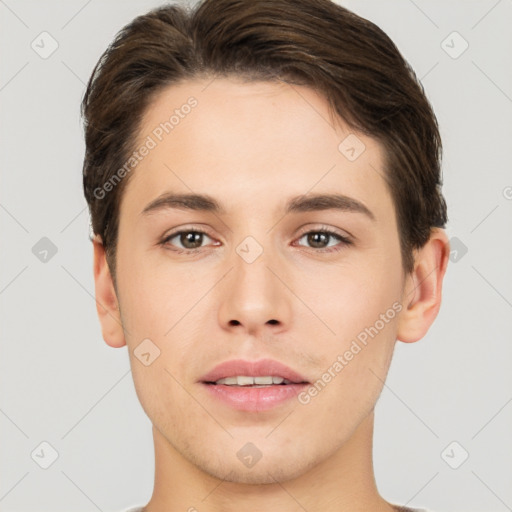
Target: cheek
[(154, 296), (161, 311), (359, 308), (350, 297), (159, 393)]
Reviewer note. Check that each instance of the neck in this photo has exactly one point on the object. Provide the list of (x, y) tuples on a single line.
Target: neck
[(343, 482)]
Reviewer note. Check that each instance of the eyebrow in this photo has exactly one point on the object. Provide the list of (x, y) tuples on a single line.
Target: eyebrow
[(304, 203)]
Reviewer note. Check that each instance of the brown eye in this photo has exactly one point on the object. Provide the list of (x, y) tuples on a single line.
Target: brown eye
[(191, 239), (186, 240), (320, 240)]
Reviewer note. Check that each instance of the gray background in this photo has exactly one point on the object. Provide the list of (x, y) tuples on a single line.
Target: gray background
[(61, 384)]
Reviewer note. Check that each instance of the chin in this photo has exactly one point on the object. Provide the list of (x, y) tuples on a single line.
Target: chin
[(263, 472)]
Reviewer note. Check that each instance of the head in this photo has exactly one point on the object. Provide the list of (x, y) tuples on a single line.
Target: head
[(260, 107)]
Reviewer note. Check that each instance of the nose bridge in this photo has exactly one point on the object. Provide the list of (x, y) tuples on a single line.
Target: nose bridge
[(253, 296)]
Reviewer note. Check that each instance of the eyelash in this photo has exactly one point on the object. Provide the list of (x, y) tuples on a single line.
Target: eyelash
[(324, 230)]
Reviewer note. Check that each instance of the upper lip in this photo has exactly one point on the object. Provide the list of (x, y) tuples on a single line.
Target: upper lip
[(260, 368)]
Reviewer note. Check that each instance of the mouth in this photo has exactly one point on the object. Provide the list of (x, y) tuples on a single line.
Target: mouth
[(254, 382), (253, 386), (265, 372)]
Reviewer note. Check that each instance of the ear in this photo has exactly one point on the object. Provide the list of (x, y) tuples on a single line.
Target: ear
[(107, 304), (421, 299)]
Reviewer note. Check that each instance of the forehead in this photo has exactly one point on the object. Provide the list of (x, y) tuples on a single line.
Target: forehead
[(252, 140), (277, 114)]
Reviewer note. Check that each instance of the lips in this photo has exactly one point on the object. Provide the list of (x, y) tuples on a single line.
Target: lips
[(261, 368)]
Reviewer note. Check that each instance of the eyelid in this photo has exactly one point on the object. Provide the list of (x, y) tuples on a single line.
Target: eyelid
[(324, 228), (186, 228)]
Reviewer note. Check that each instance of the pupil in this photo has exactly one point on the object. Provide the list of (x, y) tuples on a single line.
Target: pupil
[(191, 237), (313, 239)]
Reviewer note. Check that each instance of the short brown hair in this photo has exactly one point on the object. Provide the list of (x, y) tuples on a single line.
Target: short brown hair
[(317, 43)]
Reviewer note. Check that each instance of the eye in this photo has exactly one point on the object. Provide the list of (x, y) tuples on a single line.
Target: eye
[(190, 240), (319, 239)]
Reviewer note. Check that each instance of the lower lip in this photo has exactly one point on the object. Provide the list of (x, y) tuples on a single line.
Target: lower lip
[(254, 399)]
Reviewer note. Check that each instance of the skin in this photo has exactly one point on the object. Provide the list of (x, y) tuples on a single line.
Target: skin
[(252, 146)]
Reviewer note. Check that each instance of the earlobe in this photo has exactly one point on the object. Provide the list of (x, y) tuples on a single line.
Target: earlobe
[(423, 290), (107, 304)]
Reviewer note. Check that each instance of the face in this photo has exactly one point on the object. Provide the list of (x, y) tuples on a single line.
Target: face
[(270, 274)]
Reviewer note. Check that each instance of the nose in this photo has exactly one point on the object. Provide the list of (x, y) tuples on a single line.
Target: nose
[(254, 299)]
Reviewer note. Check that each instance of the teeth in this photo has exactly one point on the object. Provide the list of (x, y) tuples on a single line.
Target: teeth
[(244, 380), (228, 381)]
